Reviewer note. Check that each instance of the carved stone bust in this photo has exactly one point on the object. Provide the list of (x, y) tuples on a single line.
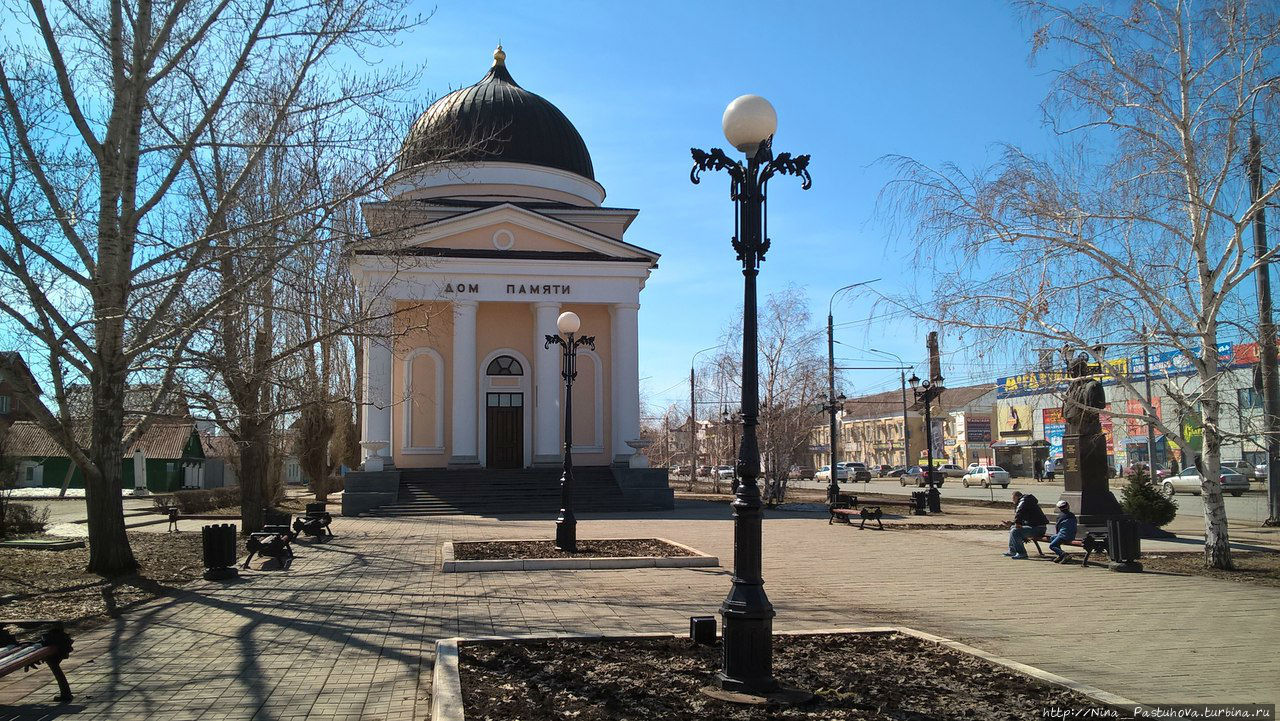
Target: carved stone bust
[(1085, 397)]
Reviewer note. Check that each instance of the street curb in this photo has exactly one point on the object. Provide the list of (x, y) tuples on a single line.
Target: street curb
[(449, 564), (446, 682)]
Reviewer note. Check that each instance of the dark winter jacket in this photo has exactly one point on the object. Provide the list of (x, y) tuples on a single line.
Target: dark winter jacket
[(1028, 513), (1066, 525)]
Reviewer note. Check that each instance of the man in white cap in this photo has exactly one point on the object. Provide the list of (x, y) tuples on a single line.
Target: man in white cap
[(1063, 531)]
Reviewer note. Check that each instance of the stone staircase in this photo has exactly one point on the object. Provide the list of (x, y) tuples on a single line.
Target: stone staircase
[(480, 491)]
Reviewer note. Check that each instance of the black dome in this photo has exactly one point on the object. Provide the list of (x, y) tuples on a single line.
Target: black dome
[(496, 119)]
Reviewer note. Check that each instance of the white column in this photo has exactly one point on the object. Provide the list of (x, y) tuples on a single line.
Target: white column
[(375, 435), (465, 385), (546, 386), (625, 365)]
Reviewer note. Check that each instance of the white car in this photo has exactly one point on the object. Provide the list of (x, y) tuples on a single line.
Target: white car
[(952, 470), (1189, 482), (824, 474), (986, 476), (724, 473)]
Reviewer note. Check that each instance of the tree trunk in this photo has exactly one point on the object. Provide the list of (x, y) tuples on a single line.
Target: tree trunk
[(1217, 545), (255, 457), (109, 551)]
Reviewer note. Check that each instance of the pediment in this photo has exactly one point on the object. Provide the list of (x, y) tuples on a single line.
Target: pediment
[(510, 228)]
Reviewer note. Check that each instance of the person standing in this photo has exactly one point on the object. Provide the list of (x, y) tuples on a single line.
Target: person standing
[(1064, 531), (1039, 470), (1028, 522)]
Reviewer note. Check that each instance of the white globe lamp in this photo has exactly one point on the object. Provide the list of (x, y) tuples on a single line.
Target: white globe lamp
[(568, 322), (748, 121)]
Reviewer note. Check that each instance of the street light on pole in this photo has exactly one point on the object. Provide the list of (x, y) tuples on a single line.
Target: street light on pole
[(927, 392), (747, 644), (567, 524), (833, 489), (906, 425)]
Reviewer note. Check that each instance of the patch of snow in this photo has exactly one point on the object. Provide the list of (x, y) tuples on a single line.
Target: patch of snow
[(56, 492), (68, 530)]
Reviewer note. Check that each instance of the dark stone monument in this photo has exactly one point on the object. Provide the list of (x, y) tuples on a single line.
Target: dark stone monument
[(1084, 451)]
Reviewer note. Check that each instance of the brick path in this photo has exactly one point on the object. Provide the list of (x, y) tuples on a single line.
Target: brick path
[(348, 632)]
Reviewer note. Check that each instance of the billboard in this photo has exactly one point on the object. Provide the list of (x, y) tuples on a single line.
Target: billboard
[(1136, 426), (1015, 419), (977, 430)]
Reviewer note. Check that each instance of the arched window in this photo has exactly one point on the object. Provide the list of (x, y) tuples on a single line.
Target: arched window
[(504, 365)]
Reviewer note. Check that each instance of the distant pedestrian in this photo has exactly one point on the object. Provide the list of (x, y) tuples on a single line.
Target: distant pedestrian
[(1064, 531), (1028, 522), (1039, 470)]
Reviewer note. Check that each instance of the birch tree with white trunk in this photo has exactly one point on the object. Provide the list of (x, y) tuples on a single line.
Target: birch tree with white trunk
[(1135, 227)]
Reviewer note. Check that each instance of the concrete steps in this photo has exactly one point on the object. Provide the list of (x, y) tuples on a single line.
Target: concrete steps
[(439, 492)]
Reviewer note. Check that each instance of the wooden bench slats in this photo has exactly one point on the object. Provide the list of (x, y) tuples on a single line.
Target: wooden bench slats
[(33, 653)]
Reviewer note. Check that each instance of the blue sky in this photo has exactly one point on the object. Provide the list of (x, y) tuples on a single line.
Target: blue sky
[(851, 81)]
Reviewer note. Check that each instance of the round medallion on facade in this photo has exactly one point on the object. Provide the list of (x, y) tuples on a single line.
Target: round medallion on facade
[(503, 239)]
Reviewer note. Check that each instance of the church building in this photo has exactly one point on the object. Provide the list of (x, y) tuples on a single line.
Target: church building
[(494, 225)]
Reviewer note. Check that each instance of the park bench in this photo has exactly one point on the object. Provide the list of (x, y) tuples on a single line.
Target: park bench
[(843, 509), (1092, 543), (51, 648), (314, 523), (274, 540)]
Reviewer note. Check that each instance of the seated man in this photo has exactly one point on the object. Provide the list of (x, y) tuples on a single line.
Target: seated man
[(1063, 531), (1028, 522)]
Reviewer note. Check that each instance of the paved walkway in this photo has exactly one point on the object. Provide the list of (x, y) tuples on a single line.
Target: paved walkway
[(348, 632)]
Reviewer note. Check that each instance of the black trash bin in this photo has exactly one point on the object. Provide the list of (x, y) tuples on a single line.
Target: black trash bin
[(1124, 545), (316, 509), (921, 501), (219, 547), (935, 499)]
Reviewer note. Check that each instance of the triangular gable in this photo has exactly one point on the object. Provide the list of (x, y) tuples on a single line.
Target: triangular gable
[(510, 227)]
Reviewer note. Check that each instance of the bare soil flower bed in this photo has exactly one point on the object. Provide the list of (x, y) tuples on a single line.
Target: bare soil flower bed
[(602, 548), (1260, 568), (54, 584), (868, 676)]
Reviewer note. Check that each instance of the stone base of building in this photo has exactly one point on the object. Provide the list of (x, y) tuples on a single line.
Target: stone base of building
[(547, 461), (464, 461), (365, 490), (645, 488)]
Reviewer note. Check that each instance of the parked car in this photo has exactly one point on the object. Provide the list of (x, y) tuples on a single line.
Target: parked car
[(1246, 469), (724, 473), (882, 470), (897, 472), (986, 476), (951, 470), (704, 471), (1189, 482), (858, 472), (916, 474), (801, 473), (824, 474)]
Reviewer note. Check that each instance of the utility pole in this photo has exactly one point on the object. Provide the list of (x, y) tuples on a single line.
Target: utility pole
[(693, 430), (1267, 339), (906, 425), (1151, 427)]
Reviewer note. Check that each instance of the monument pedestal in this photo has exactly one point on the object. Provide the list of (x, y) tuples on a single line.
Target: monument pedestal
[(1086, 488)]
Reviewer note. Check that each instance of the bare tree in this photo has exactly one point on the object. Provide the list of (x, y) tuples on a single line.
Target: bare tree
[(792, 383), (113, 112), (1133, 229)]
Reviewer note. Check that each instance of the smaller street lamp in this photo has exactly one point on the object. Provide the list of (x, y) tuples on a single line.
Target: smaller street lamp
[(832, 407), (927, 392), (566, 524)]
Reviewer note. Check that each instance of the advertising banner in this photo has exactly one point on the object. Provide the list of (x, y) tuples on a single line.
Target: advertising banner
[(1015, 419), (1136, 426), (977, 430), (1052, 417), (1053, 434)]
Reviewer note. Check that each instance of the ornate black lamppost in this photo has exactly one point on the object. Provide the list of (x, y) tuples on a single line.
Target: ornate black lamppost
[(567, 524), (749, 123), (927, 392), (732, 421)]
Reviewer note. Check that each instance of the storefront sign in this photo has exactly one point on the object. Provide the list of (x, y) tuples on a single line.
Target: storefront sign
[(1053, 433)]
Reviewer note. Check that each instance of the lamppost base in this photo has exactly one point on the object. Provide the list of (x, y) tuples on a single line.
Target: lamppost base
[(566, 535), (1271, 522), (783, 696)]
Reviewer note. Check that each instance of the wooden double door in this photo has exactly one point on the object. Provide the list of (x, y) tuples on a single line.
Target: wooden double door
[(504, 430)]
